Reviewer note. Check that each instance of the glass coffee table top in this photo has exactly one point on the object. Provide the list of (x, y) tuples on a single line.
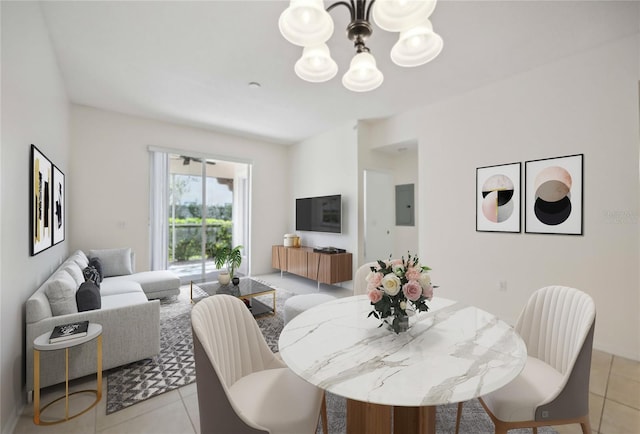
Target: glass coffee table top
[(247, 289)]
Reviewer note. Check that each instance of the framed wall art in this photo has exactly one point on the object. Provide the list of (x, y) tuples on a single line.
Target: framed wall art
[(59, 197), (554, 195), (40, 201), (498, 198)]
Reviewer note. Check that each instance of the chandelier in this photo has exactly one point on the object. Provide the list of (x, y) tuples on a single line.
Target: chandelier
[(306, 23)]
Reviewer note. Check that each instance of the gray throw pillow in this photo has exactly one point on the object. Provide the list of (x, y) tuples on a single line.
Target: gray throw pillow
[(95, 262), (115, 262), (88, 297), (91, 275), (61, 292)]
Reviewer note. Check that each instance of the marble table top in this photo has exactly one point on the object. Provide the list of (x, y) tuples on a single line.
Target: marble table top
[(452, 353)]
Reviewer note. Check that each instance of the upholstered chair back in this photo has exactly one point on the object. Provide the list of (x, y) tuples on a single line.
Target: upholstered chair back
[(557, 324), (230, 337), (359, 280)]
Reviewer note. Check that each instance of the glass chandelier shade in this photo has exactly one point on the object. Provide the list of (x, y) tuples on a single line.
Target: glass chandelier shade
[(316, 64), (400, 15), (306, 23), (363, 74), (417, 46)]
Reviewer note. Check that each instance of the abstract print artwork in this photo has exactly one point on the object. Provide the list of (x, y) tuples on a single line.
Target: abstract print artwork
[(553, 199), (41, 201), (498, 198), (59, 217)]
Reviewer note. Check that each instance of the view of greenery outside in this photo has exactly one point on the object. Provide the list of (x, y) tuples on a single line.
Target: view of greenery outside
[(187, 225)]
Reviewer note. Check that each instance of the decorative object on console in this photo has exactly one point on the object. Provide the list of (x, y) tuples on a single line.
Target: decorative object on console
[(553, 199), (40, 199), (498, 198), (58, 217), (291, 240), (395, 286), (306, 23), (69, 331)]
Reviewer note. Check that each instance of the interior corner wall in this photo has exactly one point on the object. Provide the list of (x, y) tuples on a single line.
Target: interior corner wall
[(586, 103), (35, 110), (326, 164)]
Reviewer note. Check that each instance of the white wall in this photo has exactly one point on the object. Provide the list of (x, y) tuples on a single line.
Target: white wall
[(324, 165), (35, 110), (110, 161), (587, 103)]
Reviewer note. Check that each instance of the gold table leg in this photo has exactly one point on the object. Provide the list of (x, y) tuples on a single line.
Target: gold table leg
[(37, 411)]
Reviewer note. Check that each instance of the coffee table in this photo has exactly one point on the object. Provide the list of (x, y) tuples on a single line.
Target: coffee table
[(247, 289)]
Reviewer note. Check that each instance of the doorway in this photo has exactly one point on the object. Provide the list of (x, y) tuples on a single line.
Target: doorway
[(378, 216)]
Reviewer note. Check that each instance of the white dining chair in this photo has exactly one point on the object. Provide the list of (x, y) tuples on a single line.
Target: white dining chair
[(243, 388), (557, 325), (359, 280)]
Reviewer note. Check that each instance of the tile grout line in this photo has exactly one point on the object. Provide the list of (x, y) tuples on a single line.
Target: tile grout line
[(606, 390)]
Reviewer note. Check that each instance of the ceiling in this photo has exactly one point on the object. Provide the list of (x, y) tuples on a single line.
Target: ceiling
[(191, 62)]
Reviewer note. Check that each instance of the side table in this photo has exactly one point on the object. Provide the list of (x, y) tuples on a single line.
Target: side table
[(41, 343)]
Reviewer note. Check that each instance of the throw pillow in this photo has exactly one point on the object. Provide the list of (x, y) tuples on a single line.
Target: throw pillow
[(88, 297), (61, 292), (95, 262), (115, 262), (91, 275)]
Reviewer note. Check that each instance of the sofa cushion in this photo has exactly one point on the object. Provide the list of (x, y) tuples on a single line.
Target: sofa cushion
[(92, 275), (79, 258), (88, 297), (97, 264), (75, 271), (115, 262), (122, 300), (156, 281), (119, 285), (61, 292)]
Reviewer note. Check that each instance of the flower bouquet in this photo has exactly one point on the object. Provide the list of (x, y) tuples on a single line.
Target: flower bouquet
[(395, 286)]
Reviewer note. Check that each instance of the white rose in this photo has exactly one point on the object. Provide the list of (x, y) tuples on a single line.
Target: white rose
[(403, 305), (425, 280), (391, 284)]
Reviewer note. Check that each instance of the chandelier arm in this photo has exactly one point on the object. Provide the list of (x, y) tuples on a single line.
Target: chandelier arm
[(369, 10), (345, 4)]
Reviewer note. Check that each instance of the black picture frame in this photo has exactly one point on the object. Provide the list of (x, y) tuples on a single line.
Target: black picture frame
[(554, 195), (40, 199), (498, 198), (58, 211)]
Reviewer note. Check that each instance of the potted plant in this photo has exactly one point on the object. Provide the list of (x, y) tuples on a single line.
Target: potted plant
[(220, 258), (234, 259)]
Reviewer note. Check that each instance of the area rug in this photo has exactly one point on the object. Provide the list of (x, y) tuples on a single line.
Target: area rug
[(174, 367)]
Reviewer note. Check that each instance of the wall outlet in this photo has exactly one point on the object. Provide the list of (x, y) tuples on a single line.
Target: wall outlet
[(503, 286)]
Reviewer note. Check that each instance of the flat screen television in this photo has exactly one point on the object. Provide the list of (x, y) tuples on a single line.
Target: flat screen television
[(319, 214)]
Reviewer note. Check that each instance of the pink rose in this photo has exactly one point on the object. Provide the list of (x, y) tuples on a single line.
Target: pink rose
[(412, 290), (428, 292), (374, 295), (374, 280), (413, 273)]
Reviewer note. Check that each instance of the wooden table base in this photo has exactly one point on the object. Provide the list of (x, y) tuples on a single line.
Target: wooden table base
[(367, 418)]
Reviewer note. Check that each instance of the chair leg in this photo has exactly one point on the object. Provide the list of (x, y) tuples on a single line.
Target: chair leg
[(458, 417), (323, 415), (585, 424)]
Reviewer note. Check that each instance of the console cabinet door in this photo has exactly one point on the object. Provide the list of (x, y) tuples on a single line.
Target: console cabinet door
[(297, 261), (279, 257)]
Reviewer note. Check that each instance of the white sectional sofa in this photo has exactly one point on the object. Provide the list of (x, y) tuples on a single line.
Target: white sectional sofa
[(130, 320)]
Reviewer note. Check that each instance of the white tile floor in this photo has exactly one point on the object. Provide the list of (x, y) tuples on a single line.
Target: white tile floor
[(614, 400)]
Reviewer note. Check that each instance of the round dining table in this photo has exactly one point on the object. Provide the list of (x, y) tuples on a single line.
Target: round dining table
[(393, 382)]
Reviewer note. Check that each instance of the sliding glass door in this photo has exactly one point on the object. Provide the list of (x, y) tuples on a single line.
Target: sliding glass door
[(208, 202)]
